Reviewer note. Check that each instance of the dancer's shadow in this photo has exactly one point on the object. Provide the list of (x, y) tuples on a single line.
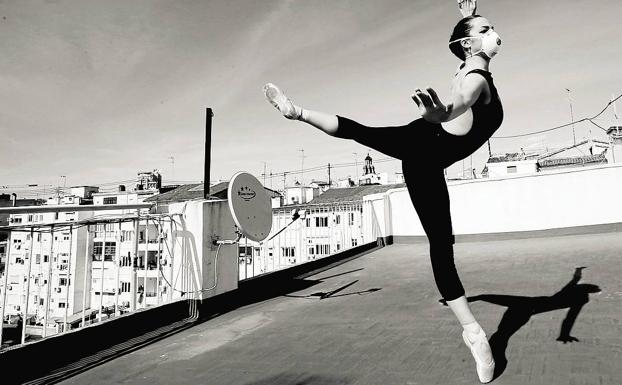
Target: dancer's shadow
[(520, 309)]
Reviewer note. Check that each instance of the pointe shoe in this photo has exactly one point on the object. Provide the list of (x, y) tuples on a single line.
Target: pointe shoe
[(480, 349), (277, 98)]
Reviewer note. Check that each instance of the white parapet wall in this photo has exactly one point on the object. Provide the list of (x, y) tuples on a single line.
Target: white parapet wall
[(198, 223), (553, 200)]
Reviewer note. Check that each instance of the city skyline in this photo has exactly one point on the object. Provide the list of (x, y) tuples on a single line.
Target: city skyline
[(97, 92)]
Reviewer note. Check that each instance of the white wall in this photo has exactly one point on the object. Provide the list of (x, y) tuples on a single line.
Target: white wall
[(199, 223), (501, 169), (565, 198)]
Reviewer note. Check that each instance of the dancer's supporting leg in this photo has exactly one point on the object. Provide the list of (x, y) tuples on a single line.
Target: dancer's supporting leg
[(428, 191)]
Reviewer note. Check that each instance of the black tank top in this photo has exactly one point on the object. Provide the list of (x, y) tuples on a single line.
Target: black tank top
[(487, 119)]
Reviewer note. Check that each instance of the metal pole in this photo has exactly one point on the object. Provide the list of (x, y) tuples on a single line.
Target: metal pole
[(69, 277), (101, 285), (49, 288), (145, 260), (86, 275), (571, 117), (171, 265), (134, 263), (158, 261), (32, 239), (356, 168), (6, 280), (208, 151), (302, 168), (118, 269)]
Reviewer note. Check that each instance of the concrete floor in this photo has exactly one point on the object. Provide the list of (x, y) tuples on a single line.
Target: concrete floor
[(378, 320)]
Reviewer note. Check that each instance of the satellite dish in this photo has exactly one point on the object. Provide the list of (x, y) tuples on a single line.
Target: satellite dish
[(250, 206)]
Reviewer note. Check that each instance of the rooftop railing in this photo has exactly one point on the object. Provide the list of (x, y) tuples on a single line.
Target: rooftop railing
[(61, 277)]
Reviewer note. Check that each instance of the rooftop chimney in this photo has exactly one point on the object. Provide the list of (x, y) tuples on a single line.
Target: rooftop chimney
[(208, 150)]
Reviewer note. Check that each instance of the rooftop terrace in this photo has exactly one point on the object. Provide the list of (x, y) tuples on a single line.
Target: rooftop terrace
[(377, 319)]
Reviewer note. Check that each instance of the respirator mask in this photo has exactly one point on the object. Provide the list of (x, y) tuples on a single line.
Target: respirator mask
[(491, 43)]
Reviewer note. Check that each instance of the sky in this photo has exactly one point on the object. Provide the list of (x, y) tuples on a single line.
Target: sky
[(96, 91)]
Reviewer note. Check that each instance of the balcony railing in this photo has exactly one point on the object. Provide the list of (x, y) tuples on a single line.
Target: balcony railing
[(55, 297), (93, 291)]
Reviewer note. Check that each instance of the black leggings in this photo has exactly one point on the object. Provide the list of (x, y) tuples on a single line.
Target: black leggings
[(417, 145)]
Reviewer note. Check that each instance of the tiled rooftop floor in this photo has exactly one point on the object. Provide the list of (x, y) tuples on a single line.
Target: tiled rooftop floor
[(387, 327)]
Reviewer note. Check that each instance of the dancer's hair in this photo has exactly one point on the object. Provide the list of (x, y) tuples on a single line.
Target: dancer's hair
[(462, 29)]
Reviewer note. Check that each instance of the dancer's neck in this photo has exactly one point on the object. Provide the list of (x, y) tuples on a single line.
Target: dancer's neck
[(476, 62)]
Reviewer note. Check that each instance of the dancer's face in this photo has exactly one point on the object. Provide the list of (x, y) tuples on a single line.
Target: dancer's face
[(485, 40), (479, 27)]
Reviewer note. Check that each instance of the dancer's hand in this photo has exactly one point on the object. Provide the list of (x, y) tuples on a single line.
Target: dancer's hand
[(431, 107), (467, 7)]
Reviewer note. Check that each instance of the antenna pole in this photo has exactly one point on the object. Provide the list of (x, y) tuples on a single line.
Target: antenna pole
[(329, 181), (302, 167), (208, 151), (356, 167), (574, 138)]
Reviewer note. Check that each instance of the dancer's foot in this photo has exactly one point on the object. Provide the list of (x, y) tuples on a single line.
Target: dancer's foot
[(277, 98), (480, 349)]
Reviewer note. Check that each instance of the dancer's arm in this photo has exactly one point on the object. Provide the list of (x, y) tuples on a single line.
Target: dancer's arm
[(434, 111)]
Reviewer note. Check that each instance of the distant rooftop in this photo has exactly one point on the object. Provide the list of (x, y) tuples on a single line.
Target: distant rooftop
[(195, 191), (348, 194)]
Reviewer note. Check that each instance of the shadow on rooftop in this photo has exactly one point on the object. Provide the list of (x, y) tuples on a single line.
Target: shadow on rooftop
[(301, 379), (573, 296)]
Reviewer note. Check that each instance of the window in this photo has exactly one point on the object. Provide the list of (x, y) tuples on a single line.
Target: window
[(511, 169), (62, 282), (41, 301), (108, 251), (321, 222), (61, 305), (311, 251), (17, 220), (110, 200), (125, 287), (355, 242), (126, 235), (38, 259), (30, 217), (288, 251), (46, 258), (322, 249), (338, 219), (308, 222), (126, 260)]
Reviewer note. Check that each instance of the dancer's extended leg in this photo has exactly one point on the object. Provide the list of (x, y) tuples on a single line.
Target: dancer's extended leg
[(393, 141)]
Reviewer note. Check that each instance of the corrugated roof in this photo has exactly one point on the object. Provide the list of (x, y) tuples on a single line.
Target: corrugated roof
[(575, 160), (511, 157), (348, 194)]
